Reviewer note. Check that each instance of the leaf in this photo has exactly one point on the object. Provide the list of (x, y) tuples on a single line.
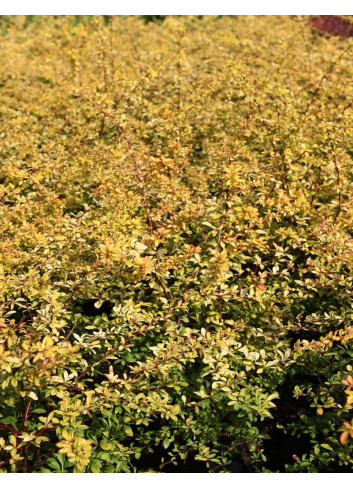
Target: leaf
[(344, 437), (166, 443), (328, 447), (27, 437), (206, 223), (61, 457), (9, 420), (54, 464)]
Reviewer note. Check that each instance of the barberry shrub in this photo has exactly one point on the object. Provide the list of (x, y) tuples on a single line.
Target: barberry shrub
[(176, 247)]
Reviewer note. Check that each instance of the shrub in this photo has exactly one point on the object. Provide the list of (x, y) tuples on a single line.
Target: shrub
[(176, 278)]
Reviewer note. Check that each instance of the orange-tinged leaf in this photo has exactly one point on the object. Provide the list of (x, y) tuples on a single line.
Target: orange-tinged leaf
[(344, 437)]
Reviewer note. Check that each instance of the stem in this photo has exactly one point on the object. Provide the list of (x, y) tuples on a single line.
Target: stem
[(338, 182), (9, 428)]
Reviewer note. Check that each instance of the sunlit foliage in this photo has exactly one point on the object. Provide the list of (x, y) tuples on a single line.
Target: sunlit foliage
[(176, 243)]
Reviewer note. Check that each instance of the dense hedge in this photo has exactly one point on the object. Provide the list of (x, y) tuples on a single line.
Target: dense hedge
[(176, 250)]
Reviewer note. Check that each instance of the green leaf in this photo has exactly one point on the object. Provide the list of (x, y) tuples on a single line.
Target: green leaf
[(166, 443), (128, 431), (54, 464), (9, 420), (328, 447)]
